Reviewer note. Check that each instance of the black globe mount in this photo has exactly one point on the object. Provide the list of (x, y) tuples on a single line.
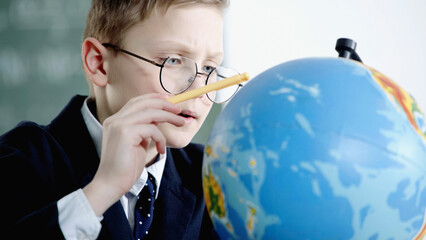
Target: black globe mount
[(346, 48)]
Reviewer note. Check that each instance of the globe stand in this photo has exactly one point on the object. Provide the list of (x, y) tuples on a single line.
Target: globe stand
[(346, 49)]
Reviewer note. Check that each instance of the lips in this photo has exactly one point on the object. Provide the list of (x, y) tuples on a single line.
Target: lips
[(187, 114)]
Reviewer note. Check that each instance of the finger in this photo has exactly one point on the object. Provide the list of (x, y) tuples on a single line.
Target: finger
[(159, 139), (146, 132), (160, 147), (145, 143)]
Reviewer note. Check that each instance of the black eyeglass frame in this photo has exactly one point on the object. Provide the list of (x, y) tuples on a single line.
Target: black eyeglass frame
[(158, 65), (161, 66)]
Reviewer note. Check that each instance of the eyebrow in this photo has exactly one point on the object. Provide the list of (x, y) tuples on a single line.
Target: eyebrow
[(185, 49)]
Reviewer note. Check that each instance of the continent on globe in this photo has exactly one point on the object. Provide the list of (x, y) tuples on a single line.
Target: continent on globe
[(404, 100), (214, 197)]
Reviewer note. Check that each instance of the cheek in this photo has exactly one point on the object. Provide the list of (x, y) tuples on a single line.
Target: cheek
[(207, 106), (131, 80), (204, 112)]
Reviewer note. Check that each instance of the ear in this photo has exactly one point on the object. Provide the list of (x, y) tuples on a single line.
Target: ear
[(93, 54)]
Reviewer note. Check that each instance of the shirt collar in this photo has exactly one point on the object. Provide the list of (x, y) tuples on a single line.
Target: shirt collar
[(156, 169), (95, 131), (93, 125)]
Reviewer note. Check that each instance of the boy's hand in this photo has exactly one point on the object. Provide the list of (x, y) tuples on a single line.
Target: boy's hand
[(126, 137)]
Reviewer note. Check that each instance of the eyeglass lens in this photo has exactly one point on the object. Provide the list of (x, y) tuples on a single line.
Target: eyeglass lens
[(224, 94), (178, 73)]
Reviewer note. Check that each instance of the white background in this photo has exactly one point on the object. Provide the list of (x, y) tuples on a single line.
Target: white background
[(391, 35)]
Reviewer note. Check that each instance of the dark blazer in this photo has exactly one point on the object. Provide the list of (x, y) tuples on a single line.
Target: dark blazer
[(41, 164)]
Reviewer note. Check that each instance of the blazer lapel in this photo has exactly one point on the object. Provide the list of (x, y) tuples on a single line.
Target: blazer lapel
[(174, 207), (69, 126), (115, 224)]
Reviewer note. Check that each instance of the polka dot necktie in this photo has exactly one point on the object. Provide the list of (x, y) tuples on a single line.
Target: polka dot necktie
[(145, 208)]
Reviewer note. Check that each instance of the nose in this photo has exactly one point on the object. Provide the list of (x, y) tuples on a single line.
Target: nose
[(199, 81)]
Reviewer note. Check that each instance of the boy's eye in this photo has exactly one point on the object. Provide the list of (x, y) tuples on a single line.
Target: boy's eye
[(174, 61), (208, 69)]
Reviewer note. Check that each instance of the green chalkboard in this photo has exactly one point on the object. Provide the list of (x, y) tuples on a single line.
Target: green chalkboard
[(40, 61), (40, 66)]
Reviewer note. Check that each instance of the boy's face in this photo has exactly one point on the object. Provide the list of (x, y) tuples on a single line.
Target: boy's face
[(194, 32)]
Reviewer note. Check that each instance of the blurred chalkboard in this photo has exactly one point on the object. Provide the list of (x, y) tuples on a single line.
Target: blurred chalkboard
[(40, 62)]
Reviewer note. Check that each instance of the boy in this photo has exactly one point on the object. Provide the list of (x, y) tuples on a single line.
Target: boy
[(85, 175)]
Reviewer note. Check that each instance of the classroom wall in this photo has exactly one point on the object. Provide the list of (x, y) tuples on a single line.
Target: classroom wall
[(391, 35)]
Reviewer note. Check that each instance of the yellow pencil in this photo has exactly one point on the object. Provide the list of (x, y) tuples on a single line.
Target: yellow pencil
[(236, 79)]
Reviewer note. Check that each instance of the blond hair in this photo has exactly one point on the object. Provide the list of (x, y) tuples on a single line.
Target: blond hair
[(108, 20)]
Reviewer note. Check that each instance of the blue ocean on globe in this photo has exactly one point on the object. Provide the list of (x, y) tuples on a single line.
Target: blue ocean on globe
[(318, 148)]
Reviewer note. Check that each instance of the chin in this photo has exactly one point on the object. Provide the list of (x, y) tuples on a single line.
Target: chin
[(177, 137), (178, 143)]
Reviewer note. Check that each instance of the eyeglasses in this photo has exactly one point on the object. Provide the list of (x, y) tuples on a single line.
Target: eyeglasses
[(178, 73)]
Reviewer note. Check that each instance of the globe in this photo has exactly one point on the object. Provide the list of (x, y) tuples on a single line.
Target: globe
[(318, 148)]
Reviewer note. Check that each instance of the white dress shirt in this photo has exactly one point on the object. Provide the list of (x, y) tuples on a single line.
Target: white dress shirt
[(77, 219)]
